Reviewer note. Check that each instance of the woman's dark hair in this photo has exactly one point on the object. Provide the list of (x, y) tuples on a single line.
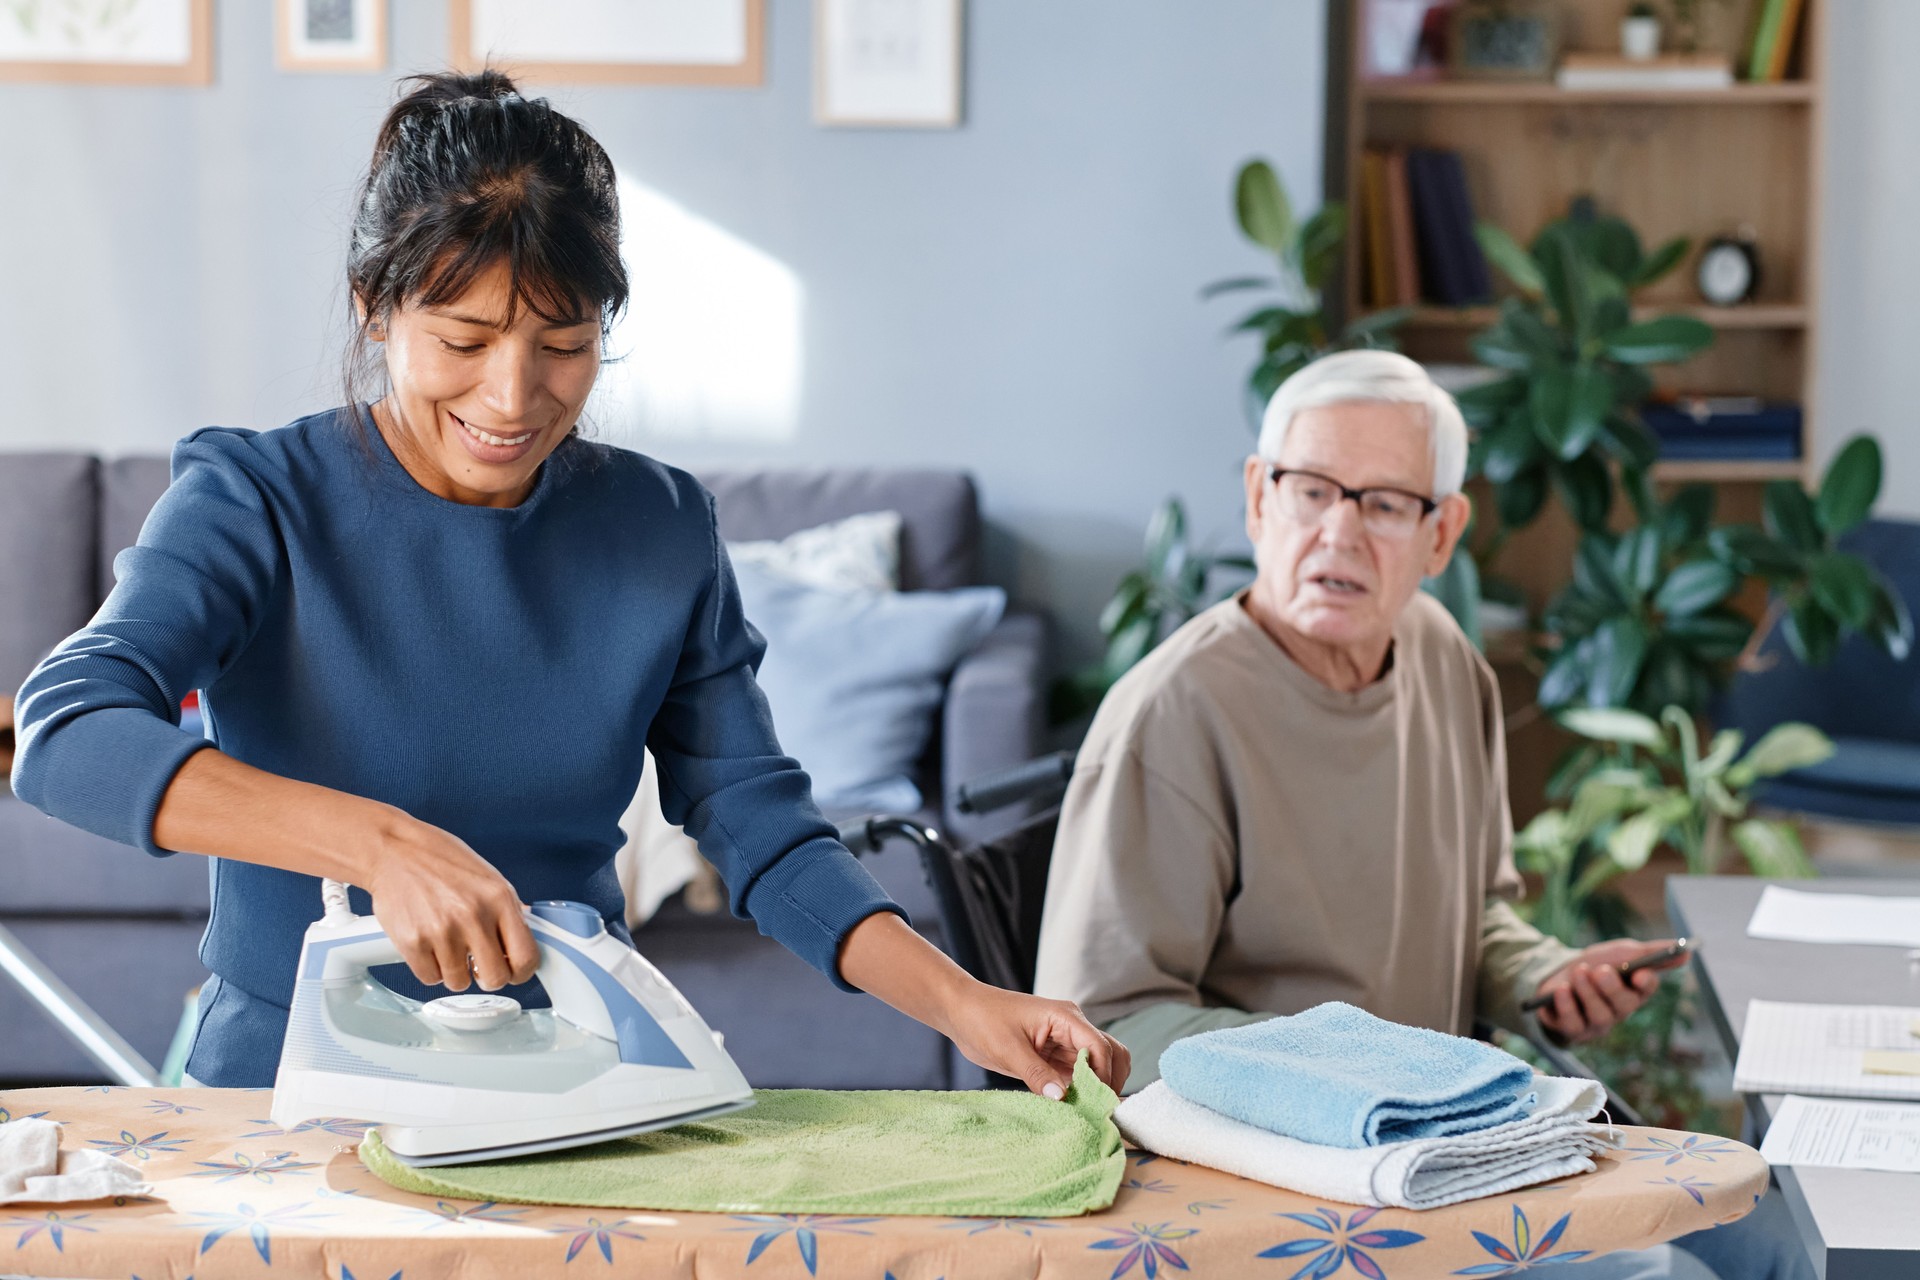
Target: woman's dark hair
[(467, 173)]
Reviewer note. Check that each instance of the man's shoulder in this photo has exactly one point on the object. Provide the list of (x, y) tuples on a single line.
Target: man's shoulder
[(1206, 667), (1434, 642)]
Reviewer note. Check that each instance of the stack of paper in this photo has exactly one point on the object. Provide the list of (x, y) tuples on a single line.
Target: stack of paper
[(1844, 1135), (1842, 1050), (1793, 915)]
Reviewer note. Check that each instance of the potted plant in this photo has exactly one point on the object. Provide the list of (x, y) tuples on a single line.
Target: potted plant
[(1293, 327), (1640, 32)]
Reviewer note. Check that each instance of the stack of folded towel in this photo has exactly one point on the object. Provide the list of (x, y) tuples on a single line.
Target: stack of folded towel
[(1335, 1102)]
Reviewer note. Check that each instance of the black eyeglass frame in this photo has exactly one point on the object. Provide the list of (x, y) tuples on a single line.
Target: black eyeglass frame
[(1427, 505)]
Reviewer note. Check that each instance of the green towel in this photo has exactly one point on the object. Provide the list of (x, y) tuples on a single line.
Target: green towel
[(961, 1154)]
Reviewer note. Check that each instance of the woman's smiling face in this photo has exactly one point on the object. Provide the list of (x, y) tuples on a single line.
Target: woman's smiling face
[(478, 403)]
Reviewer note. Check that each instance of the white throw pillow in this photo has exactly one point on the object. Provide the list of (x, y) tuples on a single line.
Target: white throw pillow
[(859, 553)]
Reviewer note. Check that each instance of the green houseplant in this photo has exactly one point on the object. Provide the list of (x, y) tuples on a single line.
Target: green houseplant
[(1175, 582), (1636, 784), (1293, 326), (1645, 621), (1575, 364)]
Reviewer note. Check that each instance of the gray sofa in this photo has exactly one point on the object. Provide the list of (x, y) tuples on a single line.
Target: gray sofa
[(122, 928)]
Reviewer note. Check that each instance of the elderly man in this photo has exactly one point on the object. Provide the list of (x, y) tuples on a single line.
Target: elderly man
[(1301, 795)]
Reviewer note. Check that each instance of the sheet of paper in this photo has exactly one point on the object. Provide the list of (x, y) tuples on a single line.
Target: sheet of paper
[(1844, 1135), (1793, 915), (1824, 1048)]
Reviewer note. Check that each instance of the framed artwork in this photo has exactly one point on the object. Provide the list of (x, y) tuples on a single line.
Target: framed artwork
[(330, 35), (107, 41), (670, 42), (887, 63)]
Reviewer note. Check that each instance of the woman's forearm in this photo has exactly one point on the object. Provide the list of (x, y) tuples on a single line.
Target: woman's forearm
[(220, 807), (885, 958)]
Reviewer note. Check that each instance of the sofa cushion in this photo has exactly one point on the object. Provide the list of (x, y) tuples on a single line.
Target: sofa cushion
[(940, 537), (47, 866), (128, 489), (854, 679), (47, 506)]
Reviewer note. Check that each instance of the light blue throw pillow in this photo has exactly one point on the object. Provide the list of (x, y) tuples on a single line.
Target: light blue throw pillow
[(855, 678)]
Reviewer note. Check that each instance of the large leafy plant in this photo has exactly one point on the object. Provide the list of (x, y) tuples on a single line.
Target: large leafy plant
[(1635, 785), (1293, 327), (1575, 363), (1638, 783), (1645, 623), (1176, 582)]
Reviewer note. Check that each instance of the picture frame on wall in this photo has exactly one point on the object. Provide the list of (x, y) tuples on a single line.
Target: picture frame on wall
[(888, 63), (330, 35), (129, 42), (659, 42)]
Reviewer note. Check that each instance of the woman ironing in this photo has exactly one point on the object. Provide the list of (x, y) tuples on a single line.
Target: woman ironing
[(434, 633)]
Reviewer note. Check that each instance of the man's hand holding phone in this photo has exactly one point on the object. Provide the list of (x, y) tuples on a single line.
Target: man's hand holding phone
[(1603, 984)]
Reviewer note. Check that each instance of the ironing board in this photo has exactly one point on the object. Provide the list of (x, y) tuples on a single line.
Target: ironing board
[(235, 1196)]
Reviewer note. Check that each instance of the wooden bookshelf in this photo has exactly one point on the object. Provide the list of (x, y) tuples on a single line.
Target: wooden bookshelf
[(1697, 163)]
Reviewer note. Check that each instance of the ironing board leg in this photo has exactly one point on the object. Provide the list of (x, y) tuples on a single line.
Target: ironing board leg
[(83, 1026)]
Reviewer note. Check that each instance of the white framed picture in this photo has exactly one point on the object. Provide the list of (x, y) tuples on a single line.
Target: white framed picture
[(887, 63), (669, 42), (330, 35), (107, 41)]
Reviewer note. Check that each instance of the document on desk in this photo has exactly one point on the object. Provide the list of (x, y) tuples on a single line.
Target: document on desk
[(1793, 915), (1841, 1050), (1844, 1135)]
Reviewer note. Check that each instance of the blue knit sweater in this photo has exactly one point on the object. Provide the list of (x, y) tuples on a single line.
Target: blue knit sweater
[(493, 671)]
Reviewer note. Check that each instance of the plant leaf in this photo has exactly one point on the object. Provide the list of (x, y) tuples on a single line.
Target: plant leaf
[(1772, 849), (1632, 842), (1662, 340), (1637, 561), (1851, 486), (1519, 500), (1619, 652), (1321, 237), (1790, 516), (1687, 516), (1695, 586), (1785, 747), (1844, 586), (1714, 635), (1611, 724), (1892, 625), (1234, 284), (1659, 263), (1751, 551), (1586, 488), (1509, 258), (1261, 203), (1811, 633)]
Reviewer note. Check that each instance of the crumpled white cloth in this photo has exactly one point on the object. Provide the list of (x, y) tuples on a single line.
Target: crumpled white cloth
[(1555, 1140), (33, 1168), (658, 859)]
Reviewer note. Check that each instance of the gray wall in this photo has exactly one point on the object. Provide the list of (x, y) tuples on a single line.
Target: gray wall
[(1016, 297), (1870, 293)]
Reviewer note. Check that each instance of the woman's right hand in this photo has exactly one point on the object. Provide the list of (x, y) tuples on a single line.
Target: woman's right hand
[(442, 904)]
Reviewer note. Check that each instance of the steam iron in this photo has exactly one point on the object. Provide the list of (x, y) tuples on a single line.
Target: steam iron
[(476, 1077)]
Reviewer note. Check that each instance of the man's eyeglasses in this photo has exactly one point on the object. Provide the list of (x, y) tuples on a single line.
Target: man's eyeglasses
[(1307, 496)]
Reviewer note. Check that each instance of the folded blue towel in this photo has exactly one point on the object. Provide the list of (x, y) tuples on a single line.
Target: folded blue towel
[(1339, 1076)]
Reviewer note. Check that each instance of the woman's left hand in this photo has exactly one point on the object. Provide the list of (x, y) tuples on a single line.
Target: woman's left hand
[(1034, 1040), (1022, 1036)]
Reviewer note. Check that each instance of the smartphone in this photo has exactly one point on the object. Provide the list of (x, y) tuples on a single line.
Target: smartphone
[(1652, 960)]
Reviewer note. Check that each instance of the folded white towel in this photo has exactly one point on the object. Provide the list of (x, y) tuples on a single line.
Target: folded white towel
[(34, 1170), (1555, 1140)]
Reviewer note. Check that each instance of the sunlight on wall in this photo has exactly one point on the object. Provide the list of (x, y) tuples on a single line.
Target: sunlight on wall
[(709, 347)]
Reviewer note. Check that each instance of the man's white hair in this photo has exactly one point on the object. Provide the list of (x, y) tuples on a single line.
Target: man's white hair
[(1348, 376)]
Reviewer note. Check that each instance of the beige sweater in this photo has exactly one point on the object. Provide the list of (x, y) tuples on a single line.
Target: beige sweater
[(1239, 836)]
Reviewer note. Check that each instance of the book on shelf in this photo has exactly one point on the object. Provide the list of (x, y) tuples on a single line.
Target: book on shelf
[(1406, 261), (1725, 428), (1453, 270), (1774, 34), (1608, 71), (1377, 241)]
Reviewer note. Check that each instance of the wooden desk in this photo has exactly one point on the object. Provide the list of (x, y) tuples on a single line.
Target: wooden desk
[(1857, 1224), (235, 1196)]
